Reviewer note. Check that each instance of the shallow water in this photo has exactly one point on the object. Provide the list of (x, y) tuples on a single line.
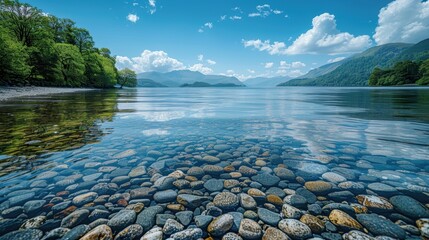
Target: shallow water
[(378, 132)]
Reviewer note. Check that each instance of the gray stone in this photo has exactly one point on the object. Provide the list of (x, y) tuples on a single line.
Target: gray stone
[(121, 220), (75, 218), (147, 217), (188, 234), (27, 234), (185, 217), (269, 217), (295, 229), (214, 185), (380, 226), (133, 231), (172, 226), (221, 225), (226, 201), (165, 196), (76, 232), (250, 229), (409, 207), (266, 179), (202, 221), (33, 207), (191, 201)]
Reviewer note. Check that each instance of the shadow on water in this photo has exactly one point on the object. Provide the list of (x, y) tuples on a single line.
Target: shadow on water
[(30, 127), (393, 104)]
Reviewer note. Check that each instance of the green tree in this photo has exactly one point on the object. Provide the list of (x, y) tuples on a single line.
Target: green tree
[(406, 72), (375, 76), (83, 40), (14, 68), (424, 72), (127, 77), (70, 64)]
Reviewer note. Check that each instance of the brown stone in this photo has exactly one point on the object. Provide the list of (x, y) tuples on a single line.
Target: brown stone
[(102, 232), (343, 220), (316, 225)]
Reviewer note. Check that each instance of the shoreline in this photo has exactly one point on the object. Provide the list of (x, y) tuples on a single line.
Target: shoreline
[(9, 93)]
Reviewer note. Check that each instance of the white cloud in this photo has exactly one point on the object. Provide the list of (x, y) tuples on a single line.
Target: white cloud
[(211, 62), (323, 37), (403, 21), (223, 17), (295, 73), (264, 11), (208, 25), (337, 59), (251, 71), (233, 18), (200, 57), (152, 4), (148, 61), (132, 18), (135, 4), (269, 65), (201, 68), (298, 65), (272, 49), (284, 65)]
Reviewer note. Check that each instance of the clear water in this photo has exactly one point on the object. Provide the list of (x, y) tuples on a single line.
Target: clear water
[(324, 123), (334, 126)]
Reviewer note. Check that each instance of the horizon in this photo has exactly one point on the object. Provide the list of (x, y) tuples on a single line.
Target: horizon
[(242, 39)]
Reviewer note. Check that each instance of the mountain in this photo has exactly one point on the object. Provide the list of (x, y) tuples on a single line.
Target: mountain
[(263, 82), (355, 71), (180, 77), (323, 69), (148, 83), (204, 84)]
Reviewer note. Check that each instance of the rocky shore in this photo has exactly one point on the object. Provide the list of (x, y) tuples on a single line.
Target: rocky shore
[(7, 93), (229, 189)]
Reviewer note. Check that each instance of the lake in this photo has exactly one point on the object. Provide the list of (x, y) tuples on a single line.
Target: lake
[(113, 149)]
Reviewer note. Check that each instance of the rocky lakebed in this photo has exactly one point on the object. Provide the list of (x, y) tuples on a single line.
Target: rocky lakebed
[(217, 188)]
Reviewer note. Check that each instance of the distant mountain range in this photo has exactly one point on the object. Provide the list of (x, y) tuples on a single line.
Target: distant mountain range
[(182, 77), (355, 70), (264, 82)]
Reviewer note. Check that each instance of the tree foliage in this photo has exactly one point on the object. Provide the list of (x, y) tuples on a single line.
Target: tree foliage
[(405, 72), (41, 49), (127, 78)]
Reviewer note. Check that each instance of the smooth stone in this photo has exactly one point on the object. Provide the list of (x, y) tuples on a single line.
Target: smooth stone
[(188, 234), (185, 217), (295, 229), (221, 225), (161, 219), (121, 220), (153, 234), (91, 177), (133, 231), (172, 226), (423, 226), (147, 218), (309, 196), (315, 224), (266, 179), (247, 201), (409, 207), (343, 220), (191, 201), (85, 198), (284, 174), (226, 201), (164, 183), (21, 199), (76, 232), (202, 221), (210, 159), (165, 196), (27, 234), (274, 234), (333, 177), (75, 218), (12, 212), (143, 192), (318, 187), (380, 226), (231, 236), (57, 233), (383, 189), (97, 214), (35, 222), (126, 153), (8, 225), (33, 207), (353, 187), (247, 171), (221, 147), (137, 172), (340, 206), (102, 232), (269, 217), (214, 185), (375, 203), (289, 211), (296, 201), (356, 235), (341, 196), (250, 229)]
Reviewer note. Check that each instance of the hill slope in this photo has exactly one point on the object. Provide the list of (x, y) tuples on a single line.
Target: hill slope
[(355, 71), (181, 77)]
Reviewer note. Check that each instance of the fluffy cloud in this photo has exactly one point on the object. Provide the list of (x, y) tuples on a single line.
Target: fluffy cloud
[(132, 18), (272, 49), (152, 5), (207, 25), (211, 62), (264, 11), (298, 65), (150, 61), (337, 59), (269, 65), (403, 21), (323, 37), (233, 18), (200, 57), (201, 68)]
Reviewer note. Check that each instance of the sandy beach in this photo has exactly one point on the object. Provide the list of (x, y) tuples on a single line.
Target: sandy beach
[(7, 93)]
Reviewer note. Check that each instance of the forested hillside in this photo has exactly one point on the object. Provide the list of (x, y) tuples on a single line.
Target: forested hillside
[(43, 50)]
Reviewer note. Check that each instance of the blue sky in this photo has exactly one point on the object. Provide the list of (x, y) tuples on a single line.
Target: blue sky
[(243, 38)]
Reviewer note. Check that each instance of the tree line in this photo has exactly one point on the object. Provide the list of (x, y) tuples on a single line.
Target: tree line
[(42, 50), (404, 72)]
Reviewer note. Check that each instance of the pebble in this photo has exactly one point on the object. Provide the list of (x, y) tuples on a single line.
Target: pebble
[(409, 207), (315, 224), (383, 189), (188, 234), (250, 229), (295, 229), (318, 187), (33, 207), (121, 220), (27, 234), (356, 235), (76, 232), (266, 179), (333, 177), (102, 232), (269, 217), (247, 201), (214, 185), (374, 203), (153, 234), (231, 236), (379, 226), (85, 198), (202, 221), (273, 233), (226, 201), (289, 211), (172, 226), (165, 196), (147, 217), (343, 220), (191, 201), (220, 225), (75, 218)]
